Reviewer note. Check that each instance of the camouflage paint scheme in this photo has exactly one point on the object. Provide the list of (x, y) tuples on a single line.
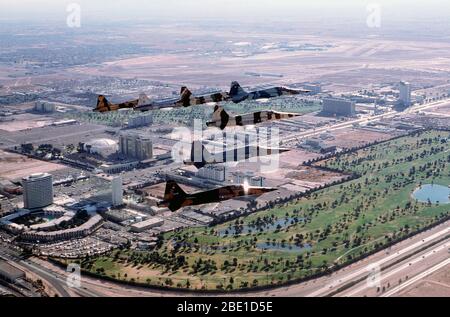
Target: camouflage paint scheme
[(145, 104), (103, 105), (175, 197), (200, 156), (236, 94), (222, 119)]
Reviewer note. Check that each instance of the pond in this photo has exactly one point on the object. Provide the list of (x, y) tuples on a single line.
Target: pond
[(433, 193)]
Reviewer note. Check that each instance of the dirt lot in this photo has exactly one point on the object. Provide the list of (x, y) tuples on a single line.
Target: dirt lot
[(24, 122), (347, 138), (435, 285), (15, 166)]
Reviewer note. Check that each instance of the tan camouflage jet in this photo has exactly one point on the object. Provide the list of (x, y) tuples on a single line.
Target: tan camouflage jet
[(222, 119), (176, 198), (145, 104)]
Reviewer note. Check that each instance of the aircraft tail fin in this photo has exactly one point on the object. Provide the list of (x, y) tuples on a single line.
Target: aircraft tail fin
[(103, 104), (199, 154), (174, 195), (237, 93), (143, 100), (220, 118), (185, 96)]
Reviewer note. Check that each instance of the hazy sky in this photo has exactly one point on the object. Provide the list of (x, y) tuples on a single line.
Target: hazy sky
[(40, 10)]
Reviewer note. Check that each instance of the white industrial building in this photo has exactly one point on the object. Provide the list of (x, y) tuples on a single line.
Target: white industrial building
[(147, 224), (44, 106), (213, 172), (249, 178), (338, 107), (136, 146), (37, 191), (140, 120)]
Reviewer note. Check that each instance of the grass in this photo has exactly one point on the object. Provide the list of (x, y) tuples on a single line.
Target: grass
[(340, 222), (186, 116)]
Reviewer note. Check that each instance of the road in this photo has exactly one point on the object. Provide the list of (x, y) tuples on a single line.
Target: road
[(399, 276), (57, 282), (417, 278)]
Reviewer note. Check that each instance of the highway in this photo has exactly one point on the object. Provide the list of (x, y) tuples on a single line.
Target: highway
[(57, 281), (379, 263), (417, 278), (417, 266)]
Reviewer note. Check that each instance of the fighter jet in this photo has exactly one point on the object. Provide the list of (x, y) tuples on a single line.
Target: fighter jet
[(144, 103), (103, 105), (175, 198), (238, 94), (200, 156), (222, 119), (188, 99)]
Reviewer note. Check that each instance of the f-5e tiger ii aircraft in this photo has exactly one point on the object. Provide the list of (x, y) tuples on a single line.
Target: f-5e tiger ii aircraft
[(222, 119), (238, 94), (201, 157), (145, 104), (176, 198)]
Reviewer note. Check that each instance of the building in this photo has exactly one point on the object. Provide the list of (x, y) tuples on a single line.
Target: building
[(140, 120), (405, 93), (249, 178), (102, 147), (313, 88), (315, 144), (84, 230), (37, 191), (117, 192), (136, 146), (147, 224), (10, 273), (213, 172), (338, 107), (64, 122), (44, 106)]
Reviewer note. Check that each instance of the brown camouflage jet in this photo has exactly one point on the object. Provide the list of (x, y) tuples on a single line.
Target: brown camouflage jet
[(145, 104), (175, 198), (222, 119), (103, 105)]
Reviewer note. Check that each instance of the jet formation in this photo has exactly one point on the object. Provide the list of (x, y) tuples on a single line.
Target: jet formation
[(237, 94), (144, 103), (176, 198)]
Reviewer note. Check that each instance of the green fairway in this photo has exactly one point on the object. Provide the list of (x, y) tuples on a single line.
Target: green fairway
[(333, 225)]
